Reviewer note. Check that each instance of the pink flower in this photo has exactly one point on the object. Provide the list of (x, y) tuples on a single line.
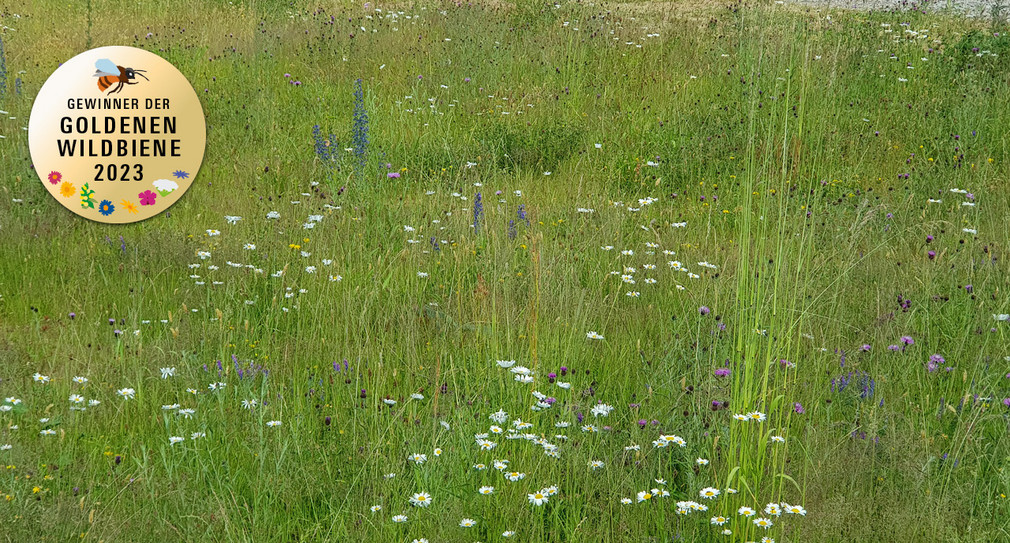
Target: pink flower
[(147, 197)]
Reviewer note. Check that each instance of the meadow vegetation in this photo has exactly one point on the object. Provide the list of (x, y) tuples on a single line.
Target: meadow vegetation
[(521, 271)]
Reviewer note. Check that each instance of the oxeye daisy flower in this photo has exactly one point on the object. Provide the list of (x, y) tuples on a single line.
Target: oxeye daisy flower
[(702, 461), (537, 498), (39, 378), (486, 490), (778, 439), (745, 511), (418, 458), (175, 439), (508, 533), (767, 539), (795, 510), (601, 410), (773, 510), (467, 523), (421, 499), (718, 521), (644, 495), (376, 508), (76, 399), (762, 522), (514, 476), (273, 423), (679, 441), (399, 518), (438, 452), (756, 416), (596, 464), (709, 493), (126, 393)]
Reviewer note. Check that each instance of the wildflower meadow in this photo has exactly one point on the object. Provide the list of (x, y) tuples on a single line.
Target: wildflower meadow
[(545, 271)]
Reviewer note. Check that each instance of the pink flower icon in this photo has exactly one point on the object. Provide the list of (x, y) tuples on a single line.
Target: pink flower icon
[(147, 198)]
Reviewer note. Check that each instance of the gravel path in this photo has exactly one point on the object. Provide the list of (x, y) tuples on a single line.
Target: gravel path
[(973, 8)]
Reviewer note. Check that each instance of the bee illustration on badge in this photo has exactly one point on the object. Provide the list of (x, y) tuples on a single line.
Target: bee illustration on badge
[(109, 74)]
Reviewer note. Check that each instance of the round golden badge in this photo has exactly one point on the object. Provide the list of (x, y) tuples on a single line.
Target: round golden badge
[(117, 134)]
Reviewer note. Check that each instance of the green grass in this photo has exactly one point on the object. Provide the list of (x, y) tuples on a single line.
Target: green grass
[(779, 136)]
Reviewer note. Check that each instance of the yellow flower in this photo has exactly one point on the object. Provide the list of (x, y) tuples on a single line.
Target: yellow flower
[(129, 206), (67, 189), (36, 490)]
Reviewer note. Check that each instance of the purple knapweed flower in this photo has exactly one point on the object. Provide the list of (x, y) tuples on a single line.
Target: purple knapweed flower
[(704, 310), (722, 372)]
